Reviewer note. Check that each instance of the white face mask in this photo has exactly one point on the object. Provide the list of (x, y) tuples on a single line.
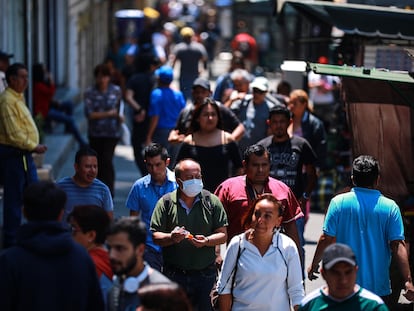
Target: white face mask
[(192, 187)]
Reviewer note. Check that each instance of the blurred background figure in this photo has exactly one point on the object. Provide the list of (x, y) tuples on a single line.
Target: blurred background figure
[(190, 54), (48, 108), (224, 83), (163, 297), (4, 64), (102, 102), (247, 45)]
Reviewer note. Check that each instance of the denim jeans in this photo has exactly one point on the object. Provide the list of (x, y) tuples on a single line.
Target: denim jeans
[(197, 285), (17, 171)]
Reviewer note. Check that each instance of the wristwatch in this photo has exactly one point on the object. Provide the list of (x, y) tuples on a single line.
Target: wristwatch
[(305, 196)]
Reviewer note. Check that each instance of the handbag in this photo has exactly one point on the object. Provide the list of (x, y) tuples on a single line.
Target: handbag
[(214, 294)]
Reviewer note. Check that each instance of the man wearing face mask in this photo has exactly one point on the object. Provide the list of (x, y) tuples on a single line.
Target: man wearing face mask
[(188, 223)]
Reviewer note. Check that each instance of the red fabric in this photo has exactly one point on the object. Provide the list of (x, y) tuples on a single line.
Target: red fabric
[(42, 96), (100, 258), (232, 193), (245, 37)]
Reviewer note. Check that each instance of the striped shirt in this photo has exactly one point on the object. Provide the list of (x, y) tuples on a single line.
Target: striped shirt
[(96, 194)]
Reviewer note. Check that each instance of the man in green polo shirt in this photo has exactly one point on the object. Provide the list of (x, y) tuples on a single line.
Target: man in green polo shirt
[(188, 223), (339, 269)]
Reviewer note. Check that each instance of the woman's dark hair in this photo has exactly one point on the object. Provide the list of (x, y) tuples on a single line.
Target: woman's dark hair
[(247, 221), (91, 218), (195, 124), (102, 69), (164, 297)]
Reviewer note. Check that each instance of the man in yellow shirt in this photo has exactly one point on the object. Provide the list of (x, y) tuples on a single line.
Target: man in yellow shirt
[(19, 137)]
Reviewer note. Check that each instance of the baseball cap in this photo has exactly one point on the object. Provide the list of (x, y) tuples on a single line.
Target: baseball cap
[(4, 55), (260, 83), (204, 83), (165, 74), (187, 32), (337, 252)]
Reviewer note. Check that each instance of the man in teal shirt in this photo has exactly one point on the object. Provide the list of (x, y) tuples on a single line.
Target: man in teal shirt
[(339, 269)]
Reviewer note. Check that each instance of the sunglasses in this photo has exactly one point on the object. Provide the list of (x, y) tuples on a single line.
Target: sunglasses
[(258, 91)]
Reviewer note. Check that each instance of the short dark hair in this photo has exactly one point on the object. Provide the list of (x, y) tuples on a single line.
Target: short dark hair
[(365, 171), (195, 124), (133, 226), (13, 70), (280, 110), (156, 149), (43, 201), (164, 297), (84, 152), (247, 221), (257, 150), (102, 69), (91, 217)]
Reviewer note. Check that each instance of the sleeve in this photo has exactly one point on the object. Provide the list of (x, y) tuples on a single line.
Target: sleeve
[(159, 217), (155, 103), (331, 219), (396, 227), (294, 280), (309, 156), (87, 98), (220, 216), (292, 208), (132, 202), (230, 120), (226, 274), (108, 202)]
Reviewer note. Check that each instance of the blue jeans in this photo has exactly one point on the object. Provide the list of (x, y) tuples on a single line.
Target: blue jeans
[(197, 284), (70, 125), (15, 176)]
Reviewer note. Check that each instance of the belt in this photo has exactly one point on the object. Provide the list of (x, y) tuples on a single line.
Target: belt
[(189, 271)]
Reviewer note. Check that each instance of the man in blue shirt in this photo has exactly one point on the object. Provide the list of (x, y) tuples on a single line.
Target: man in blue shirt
[(372, 226), (165, 106), (145, 193)]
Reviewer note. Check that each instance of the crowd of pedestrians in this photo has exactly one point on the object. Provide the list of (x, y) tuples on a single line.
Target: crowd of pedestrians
[(237, 169)]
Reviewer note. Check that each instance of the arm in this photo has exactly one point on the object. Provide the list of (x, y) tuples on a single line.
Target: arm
[(238, 132), (218, 237), (323, 243), (175, 137), (225, 302), (399, 251), (171, 238), (292, 231), (151, 129)]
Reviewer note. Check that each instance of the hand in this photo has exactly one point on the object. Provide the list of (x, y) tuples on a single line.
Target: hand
[(178, 234), (140, 117), (175, 137), (199, 241), (312, 271), (218, 261), (40, 149), (409, 291)]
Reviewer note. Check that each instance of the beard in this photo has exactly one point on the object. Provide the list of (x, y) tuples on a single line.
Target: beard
[(119, 269)]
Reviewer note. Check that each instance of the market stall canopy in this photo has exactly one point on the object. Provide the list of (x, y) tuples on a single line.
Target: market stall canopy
[(356, 19), (380, 109)]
